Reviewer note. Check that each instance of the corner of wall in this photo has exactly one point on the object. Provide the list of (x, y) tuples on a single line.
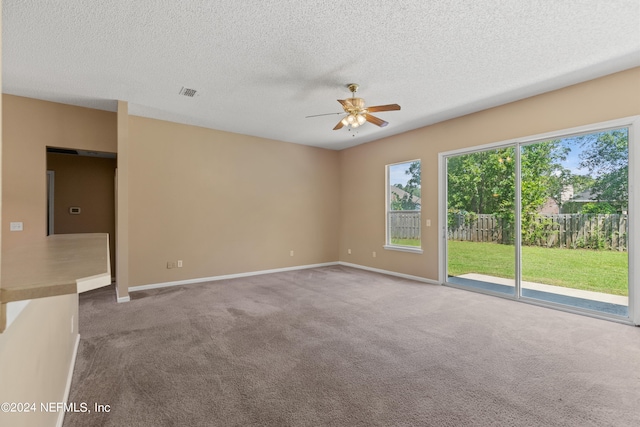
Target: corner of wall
[(2, 313), (122, 204)]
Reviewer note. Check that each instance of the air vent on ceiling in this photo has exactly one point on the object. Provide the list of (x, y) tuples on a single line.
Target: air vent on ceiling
[(188, 92)]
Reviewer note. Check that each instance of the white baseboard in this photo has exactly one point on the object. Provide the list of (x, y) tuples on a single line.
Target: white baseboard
[(225, 277), (390, 273), (119, 298), (67, 388)]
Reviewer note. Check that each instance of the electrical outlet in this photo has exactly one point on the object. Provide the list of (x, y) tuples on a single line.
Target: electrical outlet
[(374, 254), (15, 226), (169, 264), (179, 263), (349, 251), (291, 253)]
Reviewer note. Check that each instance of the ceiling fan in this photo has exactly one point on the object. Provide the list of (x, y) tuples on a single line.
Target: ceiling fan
[(357, 113)]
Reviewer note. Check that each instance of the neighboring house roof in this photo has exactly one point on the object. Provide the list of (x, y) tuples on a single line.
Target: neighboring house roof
[(585, 197), (401, 193)]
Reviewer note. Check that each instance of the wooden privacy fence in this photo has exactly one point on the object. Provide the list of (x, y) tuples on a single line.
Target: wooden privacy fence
[(572, 231), (479, 228), (404, 224)]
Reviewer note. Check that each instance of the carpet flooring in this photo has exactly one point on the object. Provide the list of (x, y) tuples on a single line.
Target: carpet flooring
[(337, 346)]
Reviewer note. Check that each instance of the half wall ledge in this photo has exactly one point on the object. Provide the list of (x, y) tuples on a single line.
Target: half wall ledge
[(55, 265)]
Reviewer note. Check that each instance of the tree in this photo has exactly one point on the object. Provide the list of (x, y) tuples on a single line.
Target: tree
[(542, 174), (409, 200), (598, 208), (558, 185), (606, 156), (484, 182), (581, 183), (481, 182)]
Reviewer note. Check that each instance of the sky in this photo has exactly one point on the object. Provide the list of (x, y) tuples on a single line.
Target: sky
[(397, 174), (572, 161)]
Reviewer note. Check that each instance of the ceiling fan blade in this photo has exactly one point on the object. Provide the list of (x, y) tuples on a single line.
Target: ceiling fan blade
[(346, 104), (376, 121), (338, 126), (389, 107), (325, 114)]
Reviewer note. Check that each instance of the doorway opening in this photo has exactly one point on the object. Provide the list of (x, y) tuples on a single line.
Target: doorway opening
[(81, 193)]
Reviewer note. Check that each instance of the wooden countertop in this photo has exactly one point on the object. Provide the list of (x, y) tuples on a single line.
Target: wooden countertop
[(54, 266)]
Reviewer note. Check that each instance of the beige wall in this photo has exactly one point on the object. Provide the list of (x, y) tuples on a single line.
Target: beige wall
[(36, 350), (362, 168), (226, 203), (29, 126), (87, 183), (35, 358), (223, 203)]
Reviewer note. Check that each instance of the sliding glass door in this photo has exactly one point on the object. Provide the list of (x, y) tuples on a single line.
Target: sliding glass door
[(543, 220), (481, 220), (575, 221)]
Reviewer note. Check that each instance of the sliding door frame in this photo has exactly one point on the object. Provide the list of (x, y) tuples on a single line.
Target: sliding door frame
[(633, 251)]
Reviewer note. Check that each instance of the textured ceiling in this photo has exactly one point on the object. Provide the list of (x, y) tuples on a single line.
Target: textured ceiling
[(261, 66)]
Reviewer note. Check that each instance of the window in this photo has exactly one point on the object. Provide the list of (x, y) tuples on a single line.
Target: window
[(403, 206), (546, 219)]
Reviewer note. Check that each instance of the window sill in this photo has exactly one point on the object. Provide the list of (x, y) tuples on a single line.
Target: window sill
[(403, 249)]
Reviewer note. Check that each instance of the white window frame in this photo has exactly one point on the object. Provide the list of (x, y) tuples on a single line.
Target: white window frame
[(388, 245)]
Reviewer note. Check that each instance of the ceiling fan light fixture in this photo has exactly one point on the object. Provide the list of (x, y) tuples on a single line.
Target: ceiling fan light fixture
[(356, 112)]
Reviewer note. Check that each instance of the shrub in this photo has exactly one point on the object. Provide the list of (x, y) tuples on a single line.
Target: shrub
[(598, 208)]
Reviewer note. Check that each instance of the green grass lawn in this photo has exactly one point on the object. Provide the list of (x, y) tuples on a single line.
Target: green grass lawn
[(599, 271)]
